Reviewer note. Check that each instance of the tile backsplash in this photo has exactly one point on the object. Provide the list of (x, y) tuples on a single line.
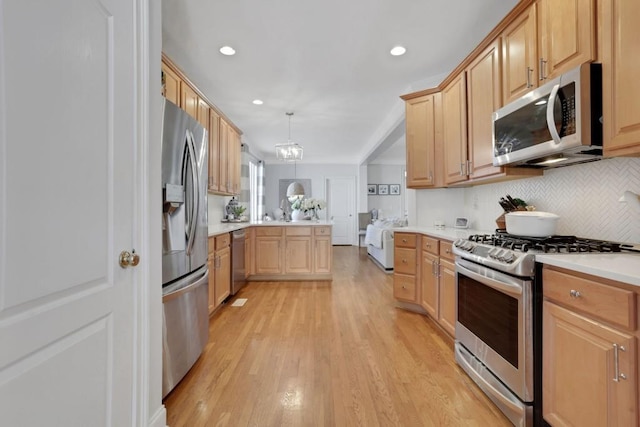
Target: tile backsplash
[(585, 196)]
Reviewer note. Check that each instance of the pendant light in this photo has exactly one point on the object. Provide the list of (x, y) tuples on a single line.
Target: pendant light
[(291, 152)]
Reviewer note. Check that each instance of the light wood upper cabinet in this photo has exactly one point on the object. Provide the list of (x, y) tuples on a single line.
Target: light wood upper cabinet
[(519, 55), (189, 100), (235, 161), (484, 97), (223, 164), (567, 35), (621, 77), (421, 141), (454, 130), (203, 113), (214, 151), (170, 84)]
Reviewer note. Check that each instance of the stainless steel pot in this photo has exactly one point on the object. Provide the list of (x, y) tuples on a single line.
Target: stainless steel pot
[(531, 223)]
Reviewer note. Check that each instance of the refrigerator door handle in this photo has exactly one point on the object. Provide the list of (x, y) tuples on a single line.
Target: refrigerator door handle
[(193, 216)]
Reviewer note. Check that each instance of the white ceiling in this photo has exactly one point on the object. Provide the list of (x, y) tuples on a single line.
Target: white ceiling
[(327, 61)]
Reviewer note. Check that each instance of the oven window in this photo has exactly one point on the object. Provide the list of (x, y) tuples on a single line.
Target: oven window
[(490, 315)]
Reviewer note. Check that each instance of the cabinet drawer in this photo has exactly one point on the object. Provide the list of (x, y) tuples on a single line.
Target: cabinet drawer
[(322, 231), (404, 261), (404, 287), (297, 231), (269, 231), (212, 244), (446, 250), (609, 303), (430, 245), (405, 240), (222, 241)]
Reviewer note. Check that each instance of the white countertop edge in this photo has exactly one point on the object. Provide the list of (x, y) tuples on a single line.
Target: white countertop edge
[(448, 233), (621, 267), (227, 227)]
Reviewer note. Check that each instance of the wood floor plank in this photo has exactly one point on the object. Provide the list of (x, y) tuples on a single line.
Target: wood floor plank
[(334, 353)]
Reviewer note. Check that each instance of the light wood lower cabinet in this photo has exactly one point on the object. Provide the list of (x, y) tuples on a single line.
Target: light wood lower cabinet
[(590, 344), (219, 263), (405, 268), (292, 253), (438, 282)]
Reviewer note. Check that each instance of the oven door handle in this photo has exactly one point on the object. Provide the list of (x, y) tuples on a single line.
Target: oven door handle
[(490, 278)]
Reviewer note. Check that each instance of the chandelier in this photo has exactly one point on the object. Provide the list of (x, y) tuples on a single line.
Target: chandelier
[(289, 151)]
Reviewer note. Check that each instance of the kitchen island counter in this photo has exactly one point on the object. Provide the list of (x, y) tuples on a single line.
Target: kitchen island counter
[(227, 227)]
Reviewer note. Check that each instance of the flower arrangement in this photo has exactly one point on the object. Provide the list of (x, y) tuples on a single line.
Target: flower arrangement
[(312, 204)]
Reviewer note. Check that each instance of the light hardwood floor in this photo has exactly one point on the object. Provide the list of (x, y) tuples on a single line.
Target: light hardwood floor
[(327, 354)]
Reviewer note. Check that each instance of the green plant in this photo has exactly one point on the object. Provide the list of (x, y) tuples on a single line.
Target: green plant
[(238, 211)]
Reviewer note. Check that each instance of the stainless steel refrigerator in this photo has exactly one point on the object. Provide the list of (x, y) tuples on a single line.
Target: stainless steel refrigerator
[(185, 320)]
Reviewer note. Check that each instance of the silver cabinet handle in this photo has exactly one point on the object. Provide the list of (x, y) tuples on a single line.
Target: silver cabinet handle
[(574, 294), (469, 165), (542, 66), (616, 363), (433, 268), (461, 169), (529, 72)]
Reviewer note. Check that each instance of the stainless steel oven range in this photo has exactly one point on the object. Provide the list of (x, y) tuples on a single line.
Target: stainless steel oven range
[(499, 316)]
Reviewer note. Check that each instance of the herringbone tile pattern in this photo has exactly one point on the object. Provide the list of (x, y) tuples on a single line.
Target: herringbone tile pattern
[(585, 196)]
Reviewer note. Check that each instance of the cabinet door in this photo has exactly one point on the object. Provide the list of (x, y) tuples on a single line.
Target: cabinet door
[(454, 130), (620, 71), (189, 100), (420, 125), (223, 154), (484, 88), (567, 35), (211, 264), (267, 255), (203, 113), (298, 254), (322, 255), (579, 370), (214, 151), (223, 275), (520, 56), (170, 85), (234, 161), (429, 283), (448, 302)]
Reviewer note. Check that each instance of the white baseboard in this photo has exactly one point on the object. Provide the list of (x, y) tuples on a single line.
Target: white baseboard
[(159, 419)]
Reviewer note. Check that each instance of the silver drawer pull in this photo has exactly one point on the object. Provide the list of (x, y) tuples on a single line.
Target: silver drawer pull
[(574, 294)]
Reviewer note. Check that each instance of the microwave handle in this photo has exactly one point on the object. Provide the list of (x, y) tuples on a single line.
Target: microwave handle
[(551, 123)]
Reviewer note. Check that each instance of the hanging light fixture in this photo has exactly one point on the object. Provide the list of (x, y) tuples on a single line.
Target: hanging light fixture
[(291, 152)]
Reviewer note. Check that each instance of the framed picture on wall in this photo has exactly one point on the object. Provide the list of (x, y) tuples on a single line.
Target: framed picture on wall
[(383, 189), (394, 189), (372, 189)]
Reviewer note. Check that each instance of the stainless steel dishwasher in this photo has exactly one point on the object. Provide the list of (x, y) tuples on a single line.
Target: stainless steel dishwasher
[(238, 276)]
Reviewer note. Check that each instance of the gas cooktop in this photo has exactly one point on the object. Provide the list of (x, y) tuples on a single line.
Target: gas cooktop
[(516, 254)]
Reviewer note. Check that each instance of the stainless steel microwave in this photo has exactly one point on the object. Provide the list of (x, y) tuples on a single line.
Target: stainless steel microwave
[(557, 124)]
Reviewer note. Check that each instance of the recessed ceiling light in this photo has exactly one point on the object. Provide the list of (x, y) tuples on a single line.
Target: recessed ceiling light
[(398, 50), (258, 101), (227, 50)]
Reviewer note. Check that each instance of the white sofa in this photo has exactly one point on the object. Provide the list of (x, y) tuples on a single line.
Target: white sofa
[(383, 256)]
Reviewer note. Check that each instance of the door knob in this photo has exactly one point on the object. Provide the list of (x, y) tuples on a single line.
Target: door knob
[(129, 258)]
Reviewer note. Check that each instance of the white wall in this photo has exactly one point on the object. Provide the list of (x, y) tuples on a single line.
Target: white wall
[(390, 206), (585, 196), (317, 173)]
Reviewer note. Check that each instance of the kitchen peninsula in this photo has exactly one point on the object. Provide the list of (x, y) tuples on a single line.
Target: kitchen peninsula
[(279, 250)]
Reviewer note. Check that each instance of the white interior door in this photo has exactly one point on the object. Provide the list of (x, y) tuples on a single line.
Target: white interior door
[(67, 209), (341, 208)]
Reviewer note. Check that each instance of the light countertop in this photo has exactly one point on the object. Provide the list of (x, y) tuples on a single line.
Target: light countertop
[(226, 227), (622, 267), (448, 233)]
